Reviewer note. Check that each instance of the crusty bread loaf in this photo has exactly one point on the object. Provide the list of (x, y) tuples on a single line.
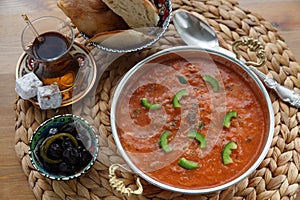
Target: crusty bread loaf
[(121, 39), (91, 16), (136, 13)]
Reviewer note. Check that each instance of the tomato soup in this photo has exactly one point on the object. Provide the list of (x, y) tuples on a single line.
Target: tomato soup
[(171, 118)]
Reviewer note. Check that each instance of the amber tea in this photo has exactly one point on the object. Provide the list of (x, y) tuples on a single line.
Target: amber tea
[(54, 65), (51, 51), (49, 46)]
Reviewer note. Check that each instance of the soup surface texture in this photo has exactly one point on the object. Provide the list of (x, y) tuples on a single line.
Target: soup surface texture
[(212, 89)]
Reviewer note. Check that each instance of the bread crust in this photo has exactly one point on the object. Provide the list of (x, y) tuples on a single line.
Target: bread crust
[(91, 16)]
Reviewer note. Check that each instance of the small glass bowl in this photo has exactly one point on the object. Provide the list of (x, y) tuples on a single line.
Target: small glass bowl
[(86, 138), (147, 36)]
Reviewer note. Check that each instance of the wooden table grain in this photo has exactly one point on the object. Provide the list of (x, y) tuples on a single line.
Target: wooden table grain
[(284, 15)]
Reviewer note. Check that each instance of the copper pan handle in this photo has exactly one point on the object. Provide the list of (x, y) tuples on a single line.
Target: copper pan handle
[(119, 184), (253, 45)]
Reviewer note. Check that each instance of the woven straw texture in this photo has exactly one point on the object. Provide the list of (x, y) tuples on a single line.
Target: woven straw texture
[(276, 178)]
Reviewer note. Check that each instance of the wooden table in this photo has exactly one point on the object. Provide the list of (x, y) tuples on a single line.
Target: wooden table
[(284, 15)]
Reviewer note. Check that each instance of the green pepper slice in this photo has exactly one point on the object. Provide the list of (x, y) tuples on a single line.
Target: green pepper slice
[(212, 81), (182, 80), (187, 164), (149, 105), (227, 152), (181, 93), (163, 141), (228, 117), (48, 141), (198, 136), (201, 125)]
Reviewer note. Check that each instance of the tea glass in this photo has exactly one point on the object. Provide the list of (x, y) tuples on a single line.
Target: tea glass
[(50, 50)]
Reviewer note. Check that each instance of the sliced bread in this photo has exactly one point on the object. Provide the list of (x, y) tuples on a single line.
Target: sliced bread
[(121, 39), (136, 13), (91, 16)]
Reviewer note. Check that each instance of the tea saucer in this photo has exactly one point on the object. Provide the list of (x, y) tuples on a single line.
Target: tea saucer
[(85, 78)]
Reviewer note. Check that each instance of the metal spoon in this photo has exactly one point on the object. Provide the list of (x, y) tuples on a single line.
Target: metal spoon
[(196, 32), (34, 31)]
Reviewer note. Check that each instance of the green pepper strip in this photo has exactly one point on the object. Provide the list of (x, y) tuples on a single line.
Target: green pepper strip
[(147, 104), (182, 80), (46, 144), (227, 151), (181, 93), (228, 117), (198, 136), (213, 82), (187, 164), (163, 140), (201, 125)]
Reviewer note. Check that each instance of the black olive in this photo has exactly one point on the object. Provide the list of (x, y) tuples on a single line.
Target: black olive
[(85, 157), (55, 150), (67, 169), (63, 167), (71, 155), (67, 143), (72, 169)]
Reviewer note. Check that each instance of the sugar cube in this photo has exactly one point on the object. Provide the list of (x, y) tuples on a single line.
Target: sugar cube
[(49, 97), (27, 85)]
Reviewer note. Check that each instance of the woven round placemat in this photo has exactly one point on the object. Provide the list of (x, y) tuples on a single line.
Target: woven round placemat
[(276, 178)]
